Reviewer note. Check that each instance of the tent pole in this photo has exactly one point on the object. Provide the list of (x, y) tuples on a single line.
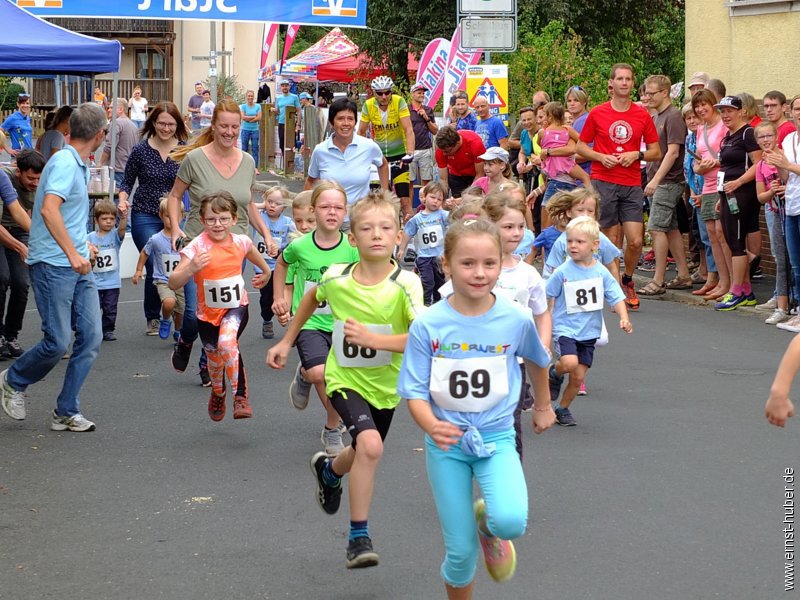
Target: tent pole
[(112, 158)]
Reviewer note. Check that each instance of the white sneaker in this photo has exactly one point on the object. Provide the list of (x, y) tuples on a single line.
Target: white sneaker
[(779, 316), (770, 304), (792, 325), (74, 423), (13, 401), (332, 440)]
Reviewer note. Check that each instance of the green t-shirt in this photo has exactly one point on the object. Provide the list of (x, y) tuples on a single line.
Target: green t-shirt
[(311, 263), (389, 307)]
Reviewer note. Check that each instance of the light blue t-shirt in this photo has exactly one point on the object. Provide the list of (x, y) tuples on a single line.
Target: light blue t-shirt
[(250, 111), (428, 232), (495, 338), (581, 326), (282, 101), (106, 264), (525, 244), (158, 248), (606, 254), (491, 131), (66, 176), (280, 229)]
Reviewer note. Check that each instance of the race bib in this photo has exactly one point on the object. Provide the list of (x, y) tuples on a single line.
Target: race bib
[(169, 262), (430, 236), (469, 384), (324, 308), (585, 295), (105, 261), (720, 181), (224, 293), (352, 355)]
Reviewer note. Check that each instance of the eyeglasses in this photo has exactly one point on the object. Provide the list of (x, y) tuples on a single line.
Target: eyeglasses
[(164, 125), (216, 220), (383, 92)]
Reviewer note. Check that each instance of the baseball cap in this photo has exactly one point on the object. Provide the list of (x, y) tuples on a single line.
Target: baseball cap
[(419, 86), (730, 102), (495, 153), (699, 78), (305, 96)]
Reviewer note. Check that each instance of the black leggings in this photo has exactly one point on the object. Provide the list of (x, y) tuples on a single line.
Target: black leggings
[(737, 226)]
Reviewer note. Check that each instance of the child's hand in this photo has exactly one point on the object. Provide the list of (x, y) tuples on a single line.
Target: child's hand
[(272, 249), (276, 356), (135, 279), (358, 334), (543, 419), (92, 252), (284, 318), (260, 280), (122, 207), (280, 307), (200, 261), (778, 409), (444, 434), (626, 325)]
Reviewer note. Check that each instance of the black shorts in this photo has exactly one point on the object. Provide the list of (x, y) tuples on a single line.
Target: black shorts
[(459, 183), (619, 203), (313, 347), (359, 415), (399, 176), (583, 350)]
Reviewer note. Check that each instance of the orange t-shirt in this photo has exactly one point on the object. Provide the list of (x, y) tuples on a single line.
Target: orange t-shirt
[(220, 285)]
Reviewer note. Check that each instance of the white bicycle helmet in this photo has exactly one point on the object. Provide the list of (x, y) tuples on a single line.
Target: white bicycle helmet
[(382, 82)]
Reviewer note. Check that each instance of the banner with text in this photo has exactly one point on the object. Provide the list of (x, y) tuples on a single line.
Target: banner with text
[(442, 68), (491, 82), (344, 13)]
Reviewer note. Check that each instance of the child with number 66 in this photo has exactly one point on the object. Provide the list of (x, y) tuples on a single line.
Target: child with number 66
[(214, 258)]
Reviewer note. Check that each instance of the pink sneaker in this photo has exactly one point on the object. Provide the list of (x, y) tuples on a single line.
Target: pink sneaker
[(582, 389), (499, 555)]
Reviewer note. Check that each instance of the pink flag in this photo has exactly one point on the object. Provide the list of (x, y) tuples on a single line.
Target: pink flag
[(270, 31), (458, 61), (291, 33), (432, 65)]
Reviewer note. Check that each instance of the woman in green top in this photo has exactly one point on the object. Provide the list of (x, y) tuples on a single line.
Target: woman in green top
[(210, 164)]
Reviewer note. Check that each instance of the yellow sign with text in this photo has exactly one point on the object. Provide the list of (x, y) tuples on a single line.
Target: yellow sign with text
[(491, 82)]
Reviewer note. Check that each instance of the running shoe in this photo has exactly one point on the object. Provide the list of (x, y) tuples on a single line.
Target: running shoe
[(730, 302), (109, 336), (164, 328), (750, 300), (152, 327), (498, 555), (77, 423), (267, 331), (770, 304), (13, 349), (180, 355), (216, 407), (5, 354), (13, 402), (332, 440), (631, 299), (649, 266), (205, 377), (556, 381), (299, 390), (328, 497), (241, 408), (582, 389), (792, 325), (778, 316), (564, 417), (360, 554)]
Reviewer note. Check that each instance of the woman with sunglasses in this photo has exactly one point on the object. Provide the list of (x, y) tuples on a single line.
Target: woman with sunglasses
[(18, 127)]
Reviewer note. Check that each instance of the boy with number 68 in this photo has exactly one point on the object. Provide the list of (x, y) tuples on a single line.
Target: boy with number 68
[(575, 292)]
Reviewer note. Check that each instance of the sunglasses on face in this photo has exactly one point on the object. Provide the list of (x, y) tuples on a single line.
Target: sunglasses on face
[(383, 93)]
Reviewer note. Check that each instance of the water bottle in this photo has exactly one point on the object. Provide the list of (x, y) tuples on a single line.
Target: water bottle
[(733, 204)]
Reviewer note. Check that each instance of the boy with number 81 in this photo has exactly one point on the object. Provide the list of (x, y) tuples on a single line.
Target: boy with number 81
[(575, 292)]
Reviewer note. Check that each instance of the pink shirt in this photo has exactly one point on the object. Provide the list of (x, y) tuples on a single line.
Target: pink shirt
[(555, 166), (715, 135)]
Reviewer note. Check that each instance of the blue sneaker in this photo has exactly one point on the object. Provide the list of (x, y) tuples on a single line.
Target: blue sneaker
[(556, 381), (729, 302), (176, 335), (164, 327), (750, 300), (564, 417)]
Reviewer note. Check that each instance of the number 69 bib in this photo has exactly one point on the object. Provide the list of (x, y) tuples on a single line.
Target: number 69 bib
[(223, 293), (585, 295), (351, 355), (469, 384), (430, 236)]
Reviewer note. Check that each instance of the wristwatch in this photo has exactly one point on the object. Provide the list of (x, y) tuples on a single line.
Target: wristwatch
[(641, 155)]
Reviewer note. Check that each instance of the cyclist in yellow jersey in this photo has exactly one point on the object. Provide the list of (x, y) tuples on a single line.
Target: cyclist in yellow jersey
[(390, 119)]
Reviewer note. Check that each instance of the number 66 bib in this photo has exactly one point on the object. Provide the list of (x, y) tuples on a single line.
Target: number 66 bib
[(585, 295), (430, 236), (223, 293), (351, 355), (469, 384)]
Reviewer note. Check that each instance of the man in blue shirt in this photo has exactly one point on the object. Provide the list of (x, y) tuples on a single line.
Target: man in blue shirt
[(284, 99), (61, 277), (491, 129)]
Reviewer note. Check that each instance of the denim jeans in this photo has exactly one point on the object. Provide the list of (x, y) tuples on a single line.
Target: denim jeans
[(554, 186), (702, 226), (189, 327), (66, 301), (13, 277), (143, 226), (793, 246), (247, 138)]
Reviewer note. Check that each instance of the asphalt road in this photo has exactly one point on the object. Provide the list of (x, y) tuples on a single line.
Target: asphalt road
[(670, 487)]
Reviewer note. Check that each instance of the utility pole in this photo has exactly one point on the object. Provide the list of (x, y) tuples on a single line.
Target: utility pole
[(212, 60)]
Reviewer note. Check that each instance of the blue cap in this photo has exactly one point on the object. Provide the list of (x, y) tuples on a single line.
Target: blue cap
[(306, 96)]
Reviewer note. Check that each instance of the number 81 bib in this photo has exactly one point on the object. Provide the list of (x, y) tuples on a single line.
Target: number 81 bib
[(469, 384), (585, 295)]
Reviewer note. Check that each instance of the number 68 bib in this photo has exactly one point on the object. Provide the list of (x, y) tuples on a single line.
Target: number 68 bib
[(351, 355), (223, 293), (585, 295), (469, 384)]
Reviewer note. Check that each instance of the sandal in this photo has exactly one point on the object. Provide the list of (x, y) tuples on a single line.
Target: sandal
[(697, 278), (652, 289), (680, 283)]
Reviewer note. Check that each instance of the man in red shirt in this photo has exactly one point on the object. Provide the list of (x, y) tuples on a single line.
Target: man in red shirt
[(457, 153), (617, 128)]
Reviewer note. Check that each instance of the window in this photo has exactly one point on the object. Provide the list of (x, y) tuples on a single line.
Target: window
[(150, 64), (746, 8)]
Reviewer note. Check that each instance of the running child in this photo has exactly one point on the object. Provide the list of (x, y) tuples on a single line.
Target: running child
[(214, 259), (575, 292), (462, 384), (159, 246), (280, 227), (779, 407), (106, 262), (312, 255), (428, 228), (373, 302), (304, 221)]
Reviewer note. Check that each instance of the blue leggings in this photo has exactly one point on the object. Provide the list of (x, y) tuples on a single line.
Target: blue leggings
[(502, 482)]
